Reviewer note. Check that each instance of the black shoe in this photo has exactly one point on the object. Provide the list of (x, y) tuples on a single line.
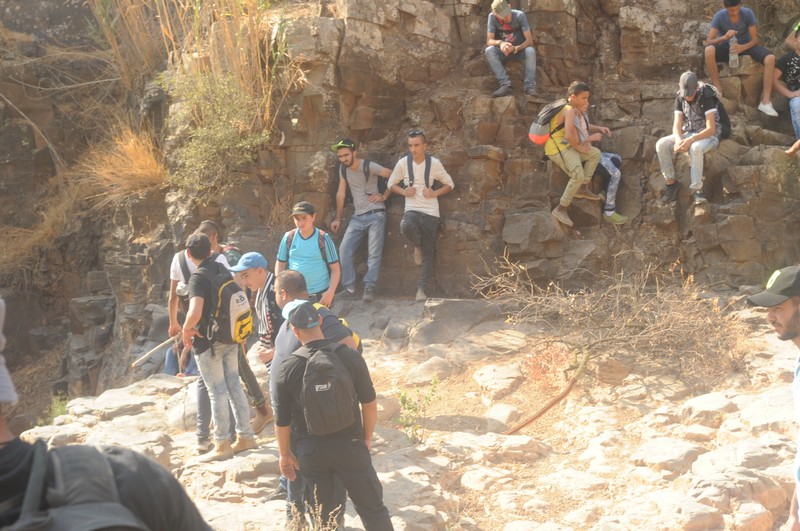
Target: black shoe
[(277, 494), (670, 193), (504, 90), (346, 295), (368, 294), (698, 198)]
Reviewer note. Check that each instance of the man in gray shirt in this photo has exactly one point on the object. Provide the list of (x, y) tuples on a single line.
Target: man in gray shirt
[(369, 217)]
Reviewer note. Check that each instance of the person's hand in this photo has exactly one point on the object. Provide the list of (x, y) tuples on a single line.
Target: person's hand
[(335, 224), (174, 330), (684, 145), (188, 334), (737, 48), (410, 191), (507, 48), (583, 147), (265, 354), (288, 464), (730, 33), (183, 360), (375, 198), (326, 299), (595, 137), (428, 192), (368, 443), (606, 131)]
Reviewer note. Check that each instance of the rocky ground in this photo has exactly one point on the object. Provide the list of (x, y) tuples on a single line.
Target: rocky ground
[(630, 448)]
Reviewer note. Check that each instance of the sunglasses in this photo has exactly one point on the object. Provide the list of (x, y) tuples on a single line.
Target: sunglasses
[(415, 132)]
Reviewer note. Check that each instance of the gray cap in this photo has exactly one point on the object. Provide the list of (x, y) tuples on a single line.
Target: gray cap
[(688, 85), (8, 395), (501, 8)]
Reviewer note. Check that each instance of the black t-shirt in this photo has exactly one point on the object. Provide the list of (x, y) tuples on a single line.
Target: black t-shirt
[(200, 286), (289, 409), (789, 65), (147, 489)]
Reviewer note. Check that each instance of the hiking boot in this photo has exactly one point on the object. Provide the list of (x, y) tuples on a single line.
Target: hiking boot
[(418, 255), (421, 297), (260, 421), (670, 193), (277, 494), (221, 452), (504, 90), (616, 218), (584, 193), (244, 443), (767, 109), (561, 216), (368, 294), (204, 444), (699, 199)]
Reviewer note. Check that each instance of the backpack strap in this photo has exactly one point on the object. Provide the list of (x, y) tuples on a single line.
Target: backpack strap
[(427, 170), (343, 171), (289, 238), (184, 266), (33, 493), (321, 241)]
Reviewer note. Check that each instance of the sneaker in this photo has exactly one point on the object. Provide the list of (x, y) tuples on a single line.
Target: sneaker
[(418, 255), (243, 443), (670, 193), (346, 295), (699, 199), (204, 444), (368, 294), (277, 494), (421, 297), (616, 218), (561, 216), (767, 109), (584, 193), (260, 421), (504, 90), (530, 91)]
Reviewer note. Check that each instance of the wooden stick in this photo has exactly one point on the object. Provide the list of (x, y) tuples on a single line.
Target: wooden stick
[(153, 351)]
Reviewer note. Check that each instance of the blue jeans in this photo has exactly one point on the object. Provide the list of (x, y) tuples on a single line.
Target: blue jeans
[(373, 226), (665, 148), (497, 60), (219, 367), (204, 412), (421, 230), (794, 112), (172, 367)]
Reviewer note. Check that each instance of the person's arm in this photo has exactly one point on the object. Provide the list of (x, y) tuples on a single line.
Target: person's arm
[(2, 323), (528, 42), (341, 193), (283, 251), (754, 40), (192, 318), (793, 523), (599, 129), (335, 275), (677, 126), (709, 131), (383, 173), (172, 306), (398, 174), (288, 461), (369, 417)]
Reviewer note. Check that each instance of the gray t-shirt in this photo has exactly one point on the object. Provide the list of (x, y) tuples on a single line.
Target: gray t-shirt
[(362, 187)]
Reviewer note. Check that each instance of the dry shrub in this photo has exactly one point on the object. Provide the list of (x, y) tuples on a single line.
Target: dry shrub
[(645, 310), (545, 366), (127, 164)]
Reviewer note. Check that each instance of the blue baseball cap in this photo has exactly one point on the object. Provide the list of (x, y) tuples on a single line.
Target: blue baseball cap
[(251, 260)]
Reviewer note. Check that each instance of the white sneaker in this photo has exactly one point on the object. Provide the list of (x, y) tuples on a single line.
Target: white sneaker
[(767, 109)]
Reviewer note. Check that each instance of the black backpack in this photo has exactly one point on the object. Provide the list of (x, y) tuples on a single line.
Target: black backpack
[(710, 91), (231, 317), (320, 241), (365, 168), (83, 493), (328, 395)]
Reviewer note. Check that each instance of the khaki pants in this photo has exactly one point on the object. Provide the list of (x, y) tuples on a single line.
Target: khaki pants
[(579, 167)]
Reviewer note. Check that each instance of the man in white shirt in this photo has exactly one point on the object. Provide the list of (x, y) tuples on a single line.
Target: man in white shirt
[(417, 172)]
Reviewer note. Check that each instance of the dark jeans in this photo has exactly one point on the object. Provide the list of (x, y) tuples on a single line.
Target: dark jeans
[(250, 381), (421, 230), (323, 460)]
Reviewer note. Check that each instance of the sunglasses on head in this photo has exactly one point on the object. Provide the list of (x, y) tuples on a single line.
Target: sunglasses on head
[(415, 132)]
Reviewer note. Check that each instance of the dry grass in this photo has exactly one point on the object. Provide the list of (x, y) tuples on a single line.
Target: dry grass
[(644, 309), (129, 163)]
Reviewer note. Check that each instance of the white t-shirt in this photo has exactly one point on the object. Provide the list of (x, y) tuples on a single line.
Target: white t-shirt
[(420, 203), (176, 273)]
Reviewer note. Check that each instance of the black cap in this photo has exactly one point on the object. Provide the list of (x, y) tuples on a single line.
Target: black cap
[(687, 84), (781, 286), (198, 245), (344, 143), (303, 207), (303, 315)]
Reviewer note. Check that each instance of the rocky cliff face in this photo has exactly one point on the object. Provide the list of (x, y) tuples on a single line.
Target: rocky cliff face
[(377, 70)]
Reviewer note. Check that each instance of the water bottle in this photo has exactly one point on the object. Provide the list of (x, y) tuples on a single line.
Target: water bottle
[(733, 58)]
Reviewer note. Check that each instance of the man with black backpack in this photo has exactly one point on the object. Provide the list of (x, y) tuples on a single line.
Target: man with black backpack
[(420, 222), (84, 487), (319, 389), (367, 182), (215, 343), (696, 129)]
